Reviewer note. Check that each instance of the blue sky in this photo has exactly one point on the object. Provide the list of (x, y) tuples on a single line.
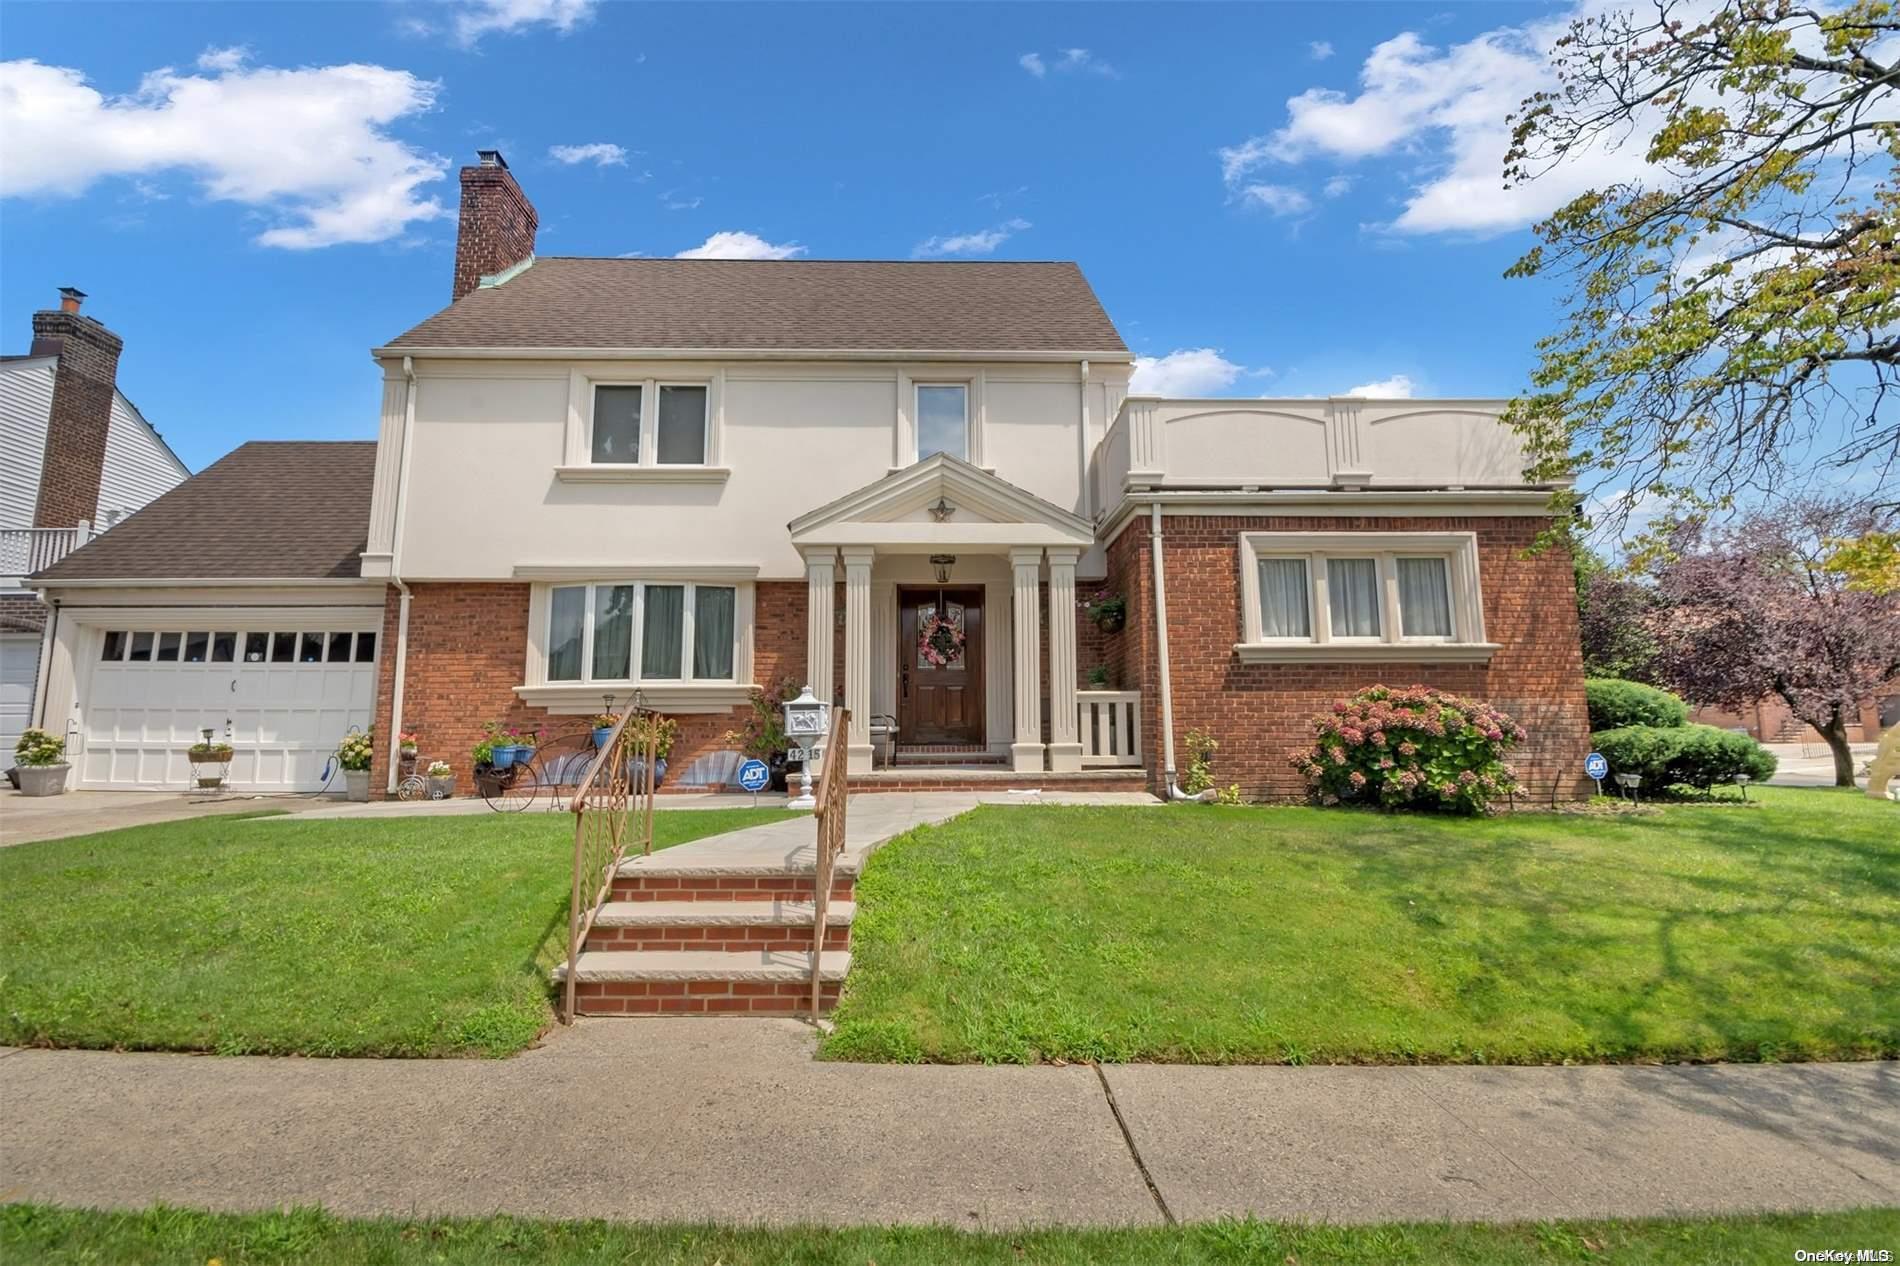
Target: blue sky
[(1287, 199)]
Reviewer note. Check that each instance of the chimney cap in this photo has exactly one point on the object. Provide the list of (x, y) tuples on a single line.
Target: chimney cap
[(492, 158), (70, 298)]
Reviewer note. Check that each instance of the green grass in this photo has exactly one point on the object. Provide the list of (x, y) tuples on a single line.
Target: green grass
[(39, 1233), (402, 936), (1206, 934)]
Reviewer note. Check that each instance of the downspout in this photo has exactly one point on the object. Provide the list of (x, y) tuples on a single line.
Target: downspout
[(395, 570), (1161, 639)]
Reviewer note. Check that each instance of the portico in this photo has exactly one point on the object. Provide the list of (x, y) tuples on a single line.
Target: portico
[(948, 574)]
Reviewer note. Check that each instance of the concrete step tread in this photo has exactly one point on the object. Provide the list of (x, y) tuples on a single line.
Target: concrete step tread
[(780, 914), (749, 965)]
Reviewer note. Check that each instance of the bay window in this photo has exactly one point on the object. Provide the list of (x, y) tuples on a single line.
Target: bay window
[(1314, 596), (640, 632)]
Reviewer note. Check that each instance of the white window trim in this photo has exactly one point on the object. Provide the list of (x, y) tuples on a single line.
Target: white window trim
[(975, 412), (685, 693), (1460, 550), (579, 465)]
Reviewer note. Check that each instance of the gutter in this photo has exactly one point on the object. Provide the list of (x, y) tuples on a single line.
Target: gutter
[(401, 668), (1174, 792), (1115, 356)]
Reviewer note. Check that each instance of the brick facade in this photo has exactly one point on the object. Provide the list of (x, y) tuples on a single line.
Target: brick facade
[(83, 383), (497, 227), (1261, 713), (467, 649)]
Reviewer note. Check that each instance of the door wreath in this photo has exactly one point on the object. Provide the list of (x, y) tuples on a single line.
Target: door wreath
[(940, 639)]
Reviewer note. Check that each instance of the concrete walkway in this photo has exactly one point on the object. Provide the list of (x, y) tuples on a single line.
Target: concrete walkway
[(732, 1121)]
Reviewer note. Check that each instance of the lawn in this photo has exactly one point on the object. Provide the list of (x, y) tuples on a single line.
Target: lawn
[(38, 1233), (401, 936), (1201, 933)]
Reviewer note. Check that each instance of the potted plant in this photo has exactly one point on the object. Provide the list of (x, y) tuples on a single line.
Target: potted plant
[(763, 735), (208, 759), (497, 748), (662, 730), (42, 764), (406, 745), (441, 780), (1108, 610), (604, 724), (525, 741), (355, 753), (483, 753), (1098, 677)]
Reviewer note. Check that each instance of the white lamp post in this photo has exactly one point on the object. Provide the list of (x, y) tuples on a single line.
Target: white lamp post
[(807, 718)]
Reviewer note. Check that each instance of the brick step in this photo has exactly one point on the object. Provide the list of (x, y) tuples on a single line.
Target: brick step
[(717, 925), (778, 884), (703, 982)]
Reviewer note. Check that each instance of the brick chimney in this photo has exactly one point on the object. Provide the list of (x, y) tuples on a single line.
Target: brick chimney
[(498, 223), (82, 410)]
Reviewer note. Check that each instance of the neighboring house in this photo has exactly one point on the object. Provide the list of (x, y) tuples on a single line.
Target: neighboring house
[(1770, 720), (78, 458), (679, 481)]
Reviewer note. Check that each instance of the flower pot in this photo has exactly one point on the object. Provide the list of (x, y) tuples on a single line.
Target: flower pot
[(441, 786), (356, 784), (523, 754), (1111, 623), (602, 734), (43, 780), (406, 752), (210, 782), (502, 757)]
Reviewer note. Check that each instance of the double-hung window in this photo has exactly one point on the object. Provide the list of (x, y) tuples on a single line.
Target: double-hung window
[(650, 424), (640, 631), (943, 420), (1316, 595)]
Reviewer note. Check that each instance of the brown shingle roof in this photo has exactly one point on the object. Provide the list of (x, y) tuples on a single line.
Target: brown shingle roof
[(765, 305), (268, 510)]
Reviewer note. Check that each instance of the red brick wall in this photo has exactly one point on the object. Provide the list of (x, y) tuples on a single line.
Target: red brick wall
[(1262, 713), (467, 647), (496, 230), (81, 413)]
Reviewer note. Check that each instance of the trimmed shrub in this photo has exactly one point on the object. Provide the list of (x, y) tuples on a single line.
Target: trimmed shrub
[(1699, 756), (1615, 703), (1411, 748)]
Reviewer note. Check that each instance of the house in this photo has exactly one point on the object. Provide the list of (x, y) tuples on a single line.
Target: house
[(79, 458), (678, 482)]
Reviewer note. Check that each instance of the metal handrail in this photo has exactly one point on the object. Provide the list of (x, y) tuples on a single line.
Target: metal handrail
[(831, 793), (603, 803)]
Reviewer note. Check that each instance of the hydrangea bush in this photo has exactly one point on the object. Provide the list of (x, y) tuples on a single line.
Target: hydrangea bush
[(1411, 748)]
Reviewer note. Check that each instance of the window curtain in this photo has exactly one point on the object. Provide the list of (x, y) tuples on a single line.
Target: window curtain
[(1424, 597), (663, 631), (613, 632), (1283, 611), (566, 609), (1353, 595), (712, 632)]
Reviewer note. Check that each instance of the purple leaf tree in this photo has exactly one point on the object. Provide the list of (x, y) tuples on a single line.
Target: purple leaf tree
[(1751, 610)]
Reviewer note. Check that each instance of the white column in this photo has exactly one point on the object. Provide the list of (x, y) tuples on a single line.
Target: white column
[(857, 654), (1065, 744), (820, 575), (1025, 754)]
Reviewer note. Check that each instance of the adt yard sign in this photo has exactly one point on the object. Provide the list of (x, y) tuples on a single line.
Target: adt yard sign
[(754, 776), (1595, 766)]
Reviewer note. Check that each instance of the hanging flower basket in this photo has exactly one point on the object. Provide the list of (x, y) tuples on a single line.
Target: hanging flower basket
[(1108, 610)]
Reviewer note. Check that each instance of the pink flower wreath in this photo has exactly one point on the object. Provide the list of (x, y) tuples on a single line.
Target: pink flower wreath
[(939, 641)]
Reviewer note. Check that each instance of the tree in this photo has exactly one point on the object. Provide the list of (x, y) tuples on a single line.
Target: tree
[(1613, 610), (1733, 311), (1754, 609), (1870, 562)]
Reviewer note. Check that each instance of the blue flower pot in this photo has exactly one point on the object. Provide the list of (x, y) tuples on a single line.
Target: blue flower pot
[(502, 757), (602, 734)]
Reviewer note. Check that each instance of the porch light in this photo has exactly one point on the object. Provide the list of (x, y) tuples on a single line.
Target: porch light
[(943, 563)]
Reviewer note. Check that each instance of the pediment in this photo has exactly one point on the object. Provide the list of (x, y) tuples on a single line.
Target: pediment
[(940, 492)]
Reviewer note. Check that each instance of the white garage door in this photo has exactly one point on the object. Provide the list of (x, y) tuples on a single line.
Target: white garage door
[(19, 662), (285, 696)]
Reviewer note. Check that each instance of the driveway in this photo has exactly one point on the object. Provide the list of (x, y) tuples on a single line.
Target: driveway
[(24, 819), (1811, 764)]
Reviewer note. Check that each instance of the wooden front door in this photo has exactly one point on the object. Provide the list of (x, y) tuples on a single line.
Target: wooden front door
[(940, 665)]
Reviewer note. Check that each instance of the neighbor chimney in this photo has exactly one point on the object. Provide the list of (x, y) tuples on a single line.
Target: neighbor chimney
[(498, 223), (76, 426)]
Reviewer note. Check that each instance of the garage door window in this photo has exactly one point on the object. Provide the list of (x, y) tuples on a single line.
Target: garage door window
[(113, 648), (141, 647), (223, 647), (192, 647), (365, 647), (168, 647)]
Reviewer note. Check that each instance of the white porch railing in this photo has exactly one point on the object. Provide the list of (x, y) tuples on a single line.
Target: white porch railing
[(24, 551), (1110, 724)]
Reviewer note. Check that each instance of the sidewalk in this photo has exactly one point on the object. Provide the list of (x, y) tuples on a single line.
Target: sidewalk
[(732, 1121)]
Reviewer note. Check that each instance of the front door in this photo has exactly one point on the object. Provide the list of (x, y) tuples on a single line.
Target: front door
[(940, 666)]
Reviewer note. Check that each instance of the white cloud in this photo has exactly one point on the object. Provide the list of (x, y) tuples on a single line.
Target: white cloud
[(1033, 63), (674, 200), (222, 59), (981, 242), (1067, 61), (1447, 108), (599, 153), (738, 244), (307, 147), (1337, 187), (1188, 371), (1319, 50), (476, 18), (1397, 387), (1278, 199)]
